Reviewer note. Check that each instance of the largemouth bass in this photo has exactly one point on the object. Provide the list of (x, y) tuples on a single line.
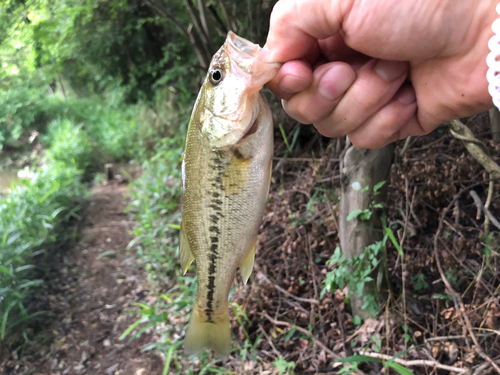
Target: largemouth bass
[(226, 174)]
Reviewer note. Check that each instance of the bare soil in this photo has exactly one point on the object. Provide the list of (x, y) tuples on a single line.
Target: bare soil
[(89, 291)]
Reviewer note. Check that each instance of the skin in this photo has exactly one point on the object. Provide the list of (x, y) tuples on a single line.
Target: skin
[(380, 70)]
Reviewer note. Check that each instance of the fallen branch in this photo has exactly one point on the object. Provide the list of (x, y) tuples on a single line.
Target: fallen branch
[(481, 369), (481, 207), (277, 287), (305, 332), (491, 188), (311, 160), (475, 147), (417, 362)]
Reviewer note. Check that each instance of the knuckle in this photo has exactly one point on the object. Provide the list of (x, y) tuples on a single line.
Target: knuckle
[(362, 142), (294, 111), (329, 129)]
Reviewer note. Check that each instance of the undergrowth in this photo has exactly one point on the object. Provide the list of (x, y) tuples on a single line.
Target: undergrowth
[(35, 215), (77, 137)]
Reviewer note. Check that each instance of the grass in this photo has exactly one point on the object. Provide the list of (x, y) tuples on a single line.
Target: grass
[(34, 216)]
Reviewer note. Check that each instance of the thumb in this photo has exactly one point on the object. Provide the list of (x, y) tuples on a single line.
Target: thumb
[(296, 25)]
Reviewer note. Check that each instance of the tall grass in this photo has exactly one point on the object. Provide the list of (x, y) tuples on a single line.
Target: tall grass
[(34, 216)]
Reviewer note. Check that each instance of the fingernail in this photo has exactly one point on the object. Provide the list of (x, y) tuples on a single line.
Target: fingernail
[(407, 96), (390, 70), (292, 84), (335, 82)]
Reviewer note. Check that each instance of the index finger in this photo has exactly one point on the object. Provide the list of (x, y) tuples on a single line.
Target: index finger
[(297, 25)]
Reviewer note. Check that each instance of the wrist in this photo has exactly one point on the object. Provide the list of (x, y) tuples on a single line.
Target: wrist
[(486, 15)]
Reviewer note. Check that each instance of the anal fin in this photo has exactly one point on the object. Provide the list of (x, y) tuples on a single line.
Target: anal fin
[(246, 265), (186, 254)]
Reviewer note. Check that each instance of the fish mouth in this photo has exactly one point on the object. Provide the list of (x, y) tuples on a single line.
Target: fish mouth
[(247, 56), (241, 47), (239, 130), (255, 123), (252, 130)]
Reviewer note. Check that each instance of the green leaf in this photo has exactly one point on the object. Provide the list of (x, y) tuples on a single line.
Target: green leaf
[(168, 358), (400, 369), (285, 139), (394, 241), (356, 320), (130, 328), (354, 214), (377, 187), (4, 319), (358, 359)]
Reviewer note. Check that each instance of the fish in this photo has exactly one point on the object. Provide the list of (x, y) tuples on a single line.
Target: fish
[(226, 174)]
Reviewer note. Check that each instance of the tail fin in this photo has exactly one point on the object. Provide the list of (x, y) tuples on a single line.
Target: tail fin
[(205, 335)]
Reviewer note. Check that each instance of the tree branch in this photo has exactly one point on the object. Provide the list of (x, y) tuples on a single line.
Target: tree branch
[(418, 362), (481, 207), (216, 16), (474, 146), (164, 12), (199, 28)]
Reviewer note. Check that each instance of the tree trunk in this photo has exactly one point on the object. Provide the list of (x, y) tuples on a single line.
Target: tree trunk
[(361, 168), (495, 123)]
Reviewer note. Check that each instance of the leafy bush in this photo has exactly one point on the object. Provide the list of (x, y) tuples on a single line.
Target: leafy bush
[(156, 199), (20, 107), (32, 217), (109, 124), (68, 143)]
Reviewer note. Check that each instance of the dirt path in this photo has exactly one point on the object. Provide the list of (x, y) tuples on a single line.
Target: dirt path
[(90, 297)]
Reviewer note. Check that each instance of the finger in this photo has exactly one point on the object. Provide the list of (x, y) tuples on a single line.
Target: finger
[(293, 76), (384, 126), (376, 84), (330, 82), (412, 128), (295, 26), (335, 49)]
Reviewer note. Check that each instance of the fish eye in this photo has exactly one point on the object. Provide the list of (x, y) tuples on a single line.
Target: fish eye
[(215, 76)]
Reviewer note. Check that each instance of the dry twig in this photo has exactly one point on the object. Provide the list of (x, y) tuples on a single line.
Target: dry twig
[(461, 307), (305, 332), (481, 207), (474, 146), (491, 188), (417, 362), (277, 287)]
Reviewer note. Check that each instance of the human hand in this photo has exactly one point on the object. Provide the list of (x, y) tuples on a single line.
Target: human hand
[(380, 70)]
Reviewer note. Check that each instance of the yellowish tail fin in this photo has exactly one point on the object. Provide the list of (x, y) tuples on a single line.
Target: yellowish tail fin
[(202, 335)]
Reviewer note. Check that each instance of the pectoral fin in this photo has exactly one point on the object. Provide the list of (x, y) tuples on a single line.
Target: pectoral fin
[(246, 265), (186, 254)]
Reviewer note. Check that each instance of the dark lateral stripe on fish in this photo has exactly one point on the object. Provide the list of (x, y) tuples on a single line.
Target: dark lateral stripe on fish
[(216, 205)]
